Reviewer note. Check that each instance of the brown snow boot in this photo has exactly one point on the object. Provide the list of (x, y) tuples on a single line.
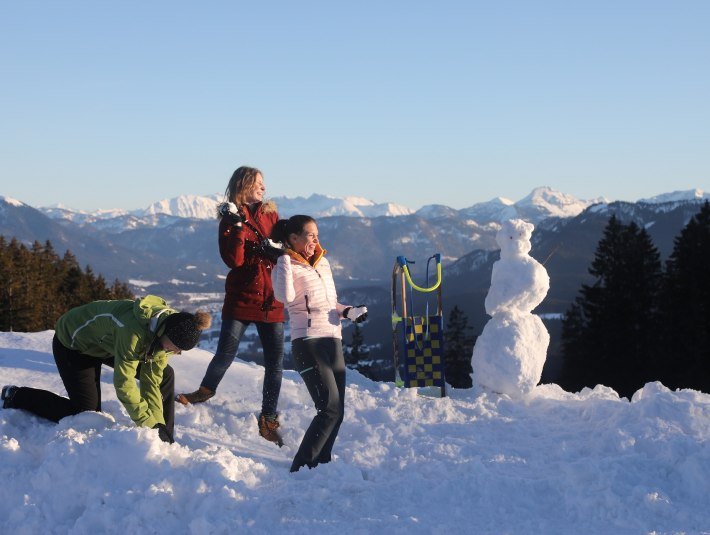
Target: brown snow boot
[(200, 395), (269, 428)]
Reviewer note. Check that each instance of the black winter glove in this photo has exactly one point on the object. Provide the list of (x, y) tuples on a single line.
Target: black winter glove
[(272, 250), (164, 434), (230, 211)]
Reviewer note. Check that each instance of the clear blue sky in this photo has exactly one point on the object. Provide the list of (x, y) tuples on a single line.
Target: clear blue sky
[(120, 104)]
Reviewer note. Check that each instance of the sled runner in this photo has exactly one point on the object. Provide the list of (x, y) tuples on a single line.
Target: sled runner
[(417, 341)]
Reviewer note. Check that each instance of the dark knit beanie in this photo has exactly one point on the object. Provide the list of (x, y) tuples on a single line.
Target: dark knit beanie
[(182, 330)]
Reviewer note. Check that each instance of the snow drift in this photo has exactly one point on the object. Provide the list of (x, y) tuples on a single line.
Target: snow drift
[(473, 462)]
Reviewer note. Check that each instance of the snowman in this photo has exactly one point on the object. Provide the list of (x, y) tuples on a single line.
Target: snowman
[(510, 352)]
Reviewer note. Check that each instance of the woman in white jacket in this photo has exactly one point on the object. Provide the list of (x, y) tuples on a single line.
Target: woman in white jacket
[(303, 281)]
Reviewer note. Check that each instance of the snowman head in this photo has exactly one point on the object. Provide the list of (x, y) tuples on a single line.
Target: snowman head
[(514, 237)]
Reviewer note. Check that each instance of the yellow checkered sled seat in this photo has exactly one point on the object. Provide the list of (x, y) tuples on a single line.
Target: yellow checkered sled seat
[(424, 358)]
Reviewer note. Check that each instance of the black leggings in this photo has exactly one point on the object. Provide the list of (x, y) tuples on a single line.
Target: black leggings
[(321, 364), (81, 375)]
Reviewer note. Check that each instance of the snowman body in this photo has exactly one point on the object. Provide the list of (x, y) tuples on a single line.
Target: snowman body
[(510, 352)]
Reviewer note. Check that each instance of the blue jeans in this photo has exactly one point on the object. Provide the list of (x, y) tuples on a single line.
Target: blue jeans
[(272, 341)]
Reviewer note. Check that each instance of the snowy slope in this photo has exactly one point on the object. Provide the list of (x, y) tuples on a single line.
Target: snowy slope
[(472, 463), (678, 196), (192, 206), (541, 203), (326, 206), (10, 201), (82, 217), (547, 202)]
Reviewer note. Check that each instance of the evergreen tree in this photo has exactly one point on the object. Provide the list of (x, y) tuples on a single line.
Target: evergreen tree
[(458, 348), (355, 349), (355, 354), (49, 265), (578, 362), (6, 285), (73, 287), (120, 290), (685, 326), (36, 286), (609, 335), (21, 291), (95, 285)]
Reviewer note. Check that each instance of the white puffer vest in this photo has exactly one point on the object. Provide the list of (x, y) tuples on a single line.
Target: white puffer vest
[(309, 293)]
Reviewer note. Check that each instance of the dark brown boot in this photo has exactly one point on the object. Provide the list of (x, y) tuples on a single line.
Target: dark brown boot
[(269, 428), (200, 395)]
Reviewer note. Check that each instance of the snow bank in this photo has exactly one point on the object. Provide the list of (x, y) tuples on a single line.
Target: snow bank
[(474, 462)]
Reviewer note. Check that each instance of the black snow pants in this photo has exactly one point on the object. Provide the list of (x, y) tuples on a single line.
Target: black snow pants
[(81, 375), (321, 363)]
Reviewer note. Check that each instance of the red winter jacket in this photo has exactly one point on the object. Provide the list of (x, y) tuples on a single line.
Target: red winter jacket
[(249, 295)]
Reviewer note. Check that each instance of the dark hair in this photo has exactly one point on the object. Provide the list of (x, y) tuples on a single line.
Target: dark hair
[(293, 225)]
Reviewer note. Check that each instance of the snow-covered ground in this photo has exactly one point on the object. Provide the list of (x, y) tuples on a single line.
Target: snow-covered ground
[(474, 462)]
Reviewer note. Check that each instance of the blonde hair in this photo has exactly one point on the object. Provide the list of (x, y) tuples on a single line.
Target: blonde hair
[(241, 183)]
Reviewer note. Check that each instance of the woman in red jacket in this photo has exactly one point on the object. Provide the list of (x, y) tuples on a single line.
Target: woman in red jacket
[(245, 224)]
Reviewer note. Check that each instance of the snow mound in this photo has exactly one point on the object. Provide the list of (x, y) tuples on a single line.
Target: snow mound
[(474, 462)]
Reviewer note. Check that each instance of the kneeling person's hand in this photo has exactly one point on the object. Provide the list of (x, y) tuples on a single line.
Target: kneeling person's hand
[(163, 433)]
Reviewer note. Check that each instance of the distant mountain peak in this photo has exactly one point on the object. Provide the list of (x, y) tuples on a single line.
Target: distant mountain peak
[(495, 201), (541, 203), (549, 202), (190, 206), (548, 195), (11, 201), (357, 201), (319, 205), (677, 196)]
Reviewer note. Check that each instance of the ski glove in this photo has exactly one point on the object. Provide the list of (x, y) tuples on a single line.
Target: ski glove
[(356, 314), (231, 212), (271, 250), (163, 433)]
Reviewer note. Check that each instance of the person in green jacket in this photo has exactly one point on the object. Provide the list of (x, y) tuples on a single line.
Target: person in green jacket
[(135, 338)]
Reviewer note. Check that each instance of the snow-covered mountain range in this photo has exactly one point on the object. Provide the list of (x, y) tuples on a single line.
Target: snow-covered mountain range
[(327, 206), (677, 196), (541, 203), (205, 207)]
